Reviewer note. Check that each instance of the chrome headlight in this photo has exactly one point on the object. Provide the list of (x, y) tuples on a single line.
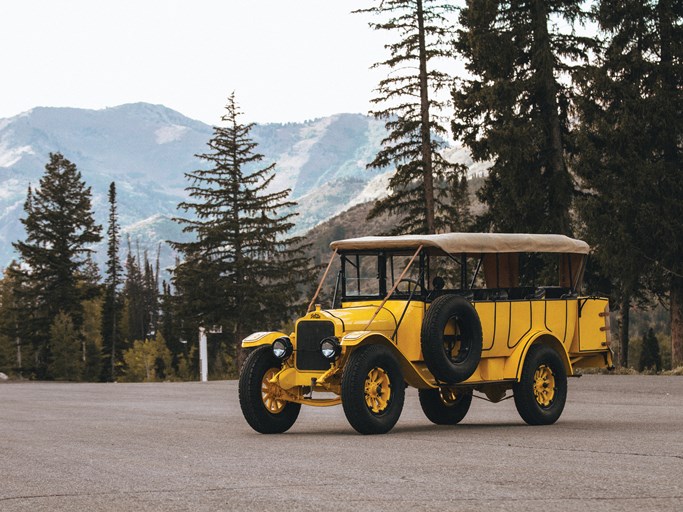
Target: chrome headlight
[(330, 347), (282, 347)]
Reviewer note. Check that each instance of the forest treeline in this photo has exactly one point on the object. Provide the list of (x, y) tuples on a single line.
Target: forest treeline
[(575, 105)]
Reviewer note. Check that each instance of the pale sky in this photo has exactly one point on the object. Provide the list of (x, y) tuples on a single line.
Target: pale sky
[(287, 60)]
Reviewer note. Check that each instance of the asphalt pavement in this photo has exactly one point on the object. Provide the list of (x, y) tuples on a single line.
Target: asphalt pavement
[(185, 446)]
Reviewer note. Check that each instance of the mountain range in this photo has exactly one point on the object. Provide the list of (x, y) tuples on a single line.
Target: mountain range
[(147, 149)]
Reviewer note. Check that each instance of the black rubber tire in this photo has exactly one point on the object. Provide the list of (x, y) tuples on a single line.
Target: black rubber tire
[(356, 371), (528, 407), (442, 412), (259, 361), (445, 366)]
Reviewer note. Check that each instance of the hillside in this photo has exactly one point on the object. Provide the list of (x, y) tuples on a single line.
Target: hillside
[(353, 223), (146, 149)]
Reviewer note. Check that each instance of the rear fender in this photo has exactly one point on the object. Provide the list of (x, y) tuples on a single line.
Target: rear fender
[(357, 339), (515, 362), (259, 339)]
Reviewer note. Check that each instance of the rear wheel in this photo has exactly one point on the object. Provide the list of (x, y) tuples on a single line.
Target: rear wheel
[(541, 393), (445, 406), (373, 390), (263, 403)]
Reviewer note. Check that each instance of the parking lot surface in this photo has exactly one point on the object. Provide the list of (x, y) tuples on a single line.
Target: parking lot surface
[(185, 446)]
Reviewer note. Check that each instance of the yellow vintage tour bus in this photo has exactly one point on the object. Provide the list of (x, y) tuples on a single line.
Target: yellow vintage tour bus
[(449, 314)]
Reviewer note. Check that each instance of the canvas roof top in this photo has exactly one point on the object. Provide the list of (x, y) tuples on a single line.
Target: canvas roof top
[(471, 243)]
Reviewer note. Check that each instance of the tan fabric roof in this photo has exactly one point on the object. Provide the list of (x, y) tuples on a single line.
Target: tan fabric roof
[(472, 243)]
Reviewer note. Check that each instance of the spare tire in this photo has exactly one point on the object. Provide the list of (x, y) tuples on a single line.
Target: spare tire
[(451, 357)]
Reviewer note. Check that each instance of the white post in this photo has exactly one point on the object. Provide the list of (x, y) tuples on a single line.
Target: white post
[(203, 356)]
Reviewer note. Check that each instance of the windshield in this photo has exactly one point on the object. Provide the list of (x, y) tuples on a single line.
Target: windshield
[(361, 275), (371, 275)]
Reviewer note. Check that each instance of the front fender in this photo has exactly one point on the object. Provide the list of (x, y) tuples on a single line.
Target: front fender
[(259, 339), (411, 374)]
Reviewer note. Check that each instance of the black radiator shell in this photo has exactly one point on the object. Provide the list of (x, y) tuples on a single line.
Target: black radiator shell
[(309, 333)]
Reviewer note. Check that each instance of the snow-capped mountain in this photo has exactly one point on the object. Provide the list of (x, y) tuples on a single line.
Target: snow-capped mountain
[(146, 149)]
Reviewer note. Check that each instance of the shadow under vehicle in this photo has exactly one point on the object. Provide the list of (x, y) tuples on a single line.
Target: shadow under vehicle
[(448, 314)]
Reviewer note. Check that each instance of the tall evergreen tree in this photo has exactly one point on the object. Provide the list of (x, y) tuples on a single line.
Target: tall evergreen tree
[(65, 345), (91, 334), (421, 187), (170, 326), (241, 271), (134, 293), (15, 318), (650, 358), (59, 228), (630, 163), (111, 308), (514, 110)]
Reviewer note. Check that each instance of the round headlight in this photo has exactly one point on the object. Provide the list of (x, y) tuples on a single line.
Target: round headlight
[(282, 347), (330, 347)]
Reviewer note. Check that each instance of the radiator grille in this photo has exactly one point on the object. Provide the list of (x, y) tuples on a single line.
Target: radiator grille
[(308, 336)]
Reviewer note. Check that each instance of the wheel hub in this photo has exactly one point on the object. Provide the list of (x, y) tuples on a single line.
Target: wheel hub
[(544, 385), (449, 396), (377, 390), (271, 394)]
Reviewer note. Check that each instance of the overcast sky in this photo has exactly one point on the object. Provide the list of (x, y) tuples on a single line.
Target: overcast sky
[(287, 60)]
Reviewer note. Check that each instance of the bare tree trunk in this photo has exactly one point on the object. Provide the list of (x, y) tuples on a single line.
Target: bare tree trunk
[(18, 342), (671, 155), (113, 345), (624, 318), (676, 298), (555, 174), (428, 178), (240, 353)]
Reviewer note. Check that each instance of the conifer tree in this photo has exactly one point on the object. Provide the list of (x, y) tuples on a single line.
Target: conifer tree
[(630, 164), (650, 357), (65, 348), (14, 322), (421, 187), (241, 271), (170, 325), (60, 228), (111, 308), (91, 334), (514, 110), (134, 296)]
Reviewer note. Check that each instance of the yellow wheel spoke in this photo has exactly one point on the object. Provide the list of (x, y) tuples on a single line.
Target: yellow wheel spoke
[(544, 385), (270, 393), (377, 389)]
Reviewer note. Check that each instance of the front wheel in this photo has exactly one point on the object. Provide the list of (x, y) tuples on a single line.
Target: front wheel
[(445, 406), (262, 403), (373, 390), (541, 393)]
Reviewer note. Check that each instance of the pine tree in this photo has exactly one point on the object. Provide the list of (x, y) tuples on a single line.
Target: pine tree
[(59, 228), (135, 300), (650, 357), (65, 344), (241, 272), (170, 326), (91, 334), (514, 110), (111, 308), (630, 164), (420, 188), (13, 322)]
